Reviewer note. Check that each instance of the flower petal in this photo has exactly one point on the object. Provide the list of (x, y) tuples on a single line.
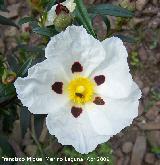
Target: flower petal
[(76, 45), (51, 15), (70, 5), (118, 80), (114, 116), (35, 90), (115, 51), (74, 131)]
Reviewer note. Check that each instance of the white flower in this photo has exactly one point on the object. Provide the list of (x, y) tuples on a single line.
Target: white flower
[(51, 15), (84, 86)]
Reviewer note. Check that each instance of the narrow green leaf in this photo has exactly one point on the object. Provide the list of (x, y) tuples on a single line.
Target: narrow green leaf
[(107, 22), (9, 118), (3, 6), (38, 124), (7, 149), (1, 68), (1, 71), (33, 49), (155, 150), (13, 62), (24, 68), (125, 38), (50, 4), (45, 31), (108, 9), (25, 120), (6, 92), (25, 20), (83, 16), (7, 21), (79, 20), (5, 100), (33, 24)]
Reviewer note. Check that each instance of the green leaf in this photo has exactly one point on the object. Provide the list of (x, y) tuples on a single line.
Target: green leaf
[(38, 124), (108, 9), (1, 68), (45, 31), (6, 93), (7, 21), (33, 24), (9, 118), (32, 49), (82, 14), (3, 6), (79, 20), (25, 20), (25, 120), (7, 149), (1, 71), (24, 68), (5, 100), (13, 62), (107, 22), (50, 4), (155, 150), (125, 38)]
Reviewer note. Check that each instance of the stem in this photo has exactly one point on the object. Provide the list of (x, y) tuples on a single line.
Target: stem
[(38, 145)]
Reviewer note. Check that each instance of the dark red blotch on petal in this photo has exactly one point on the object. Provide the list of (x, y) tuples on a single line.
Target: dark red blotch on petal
[(77, 67), (60, 8), (76, 111), (98, 101), (57, 87), (99, 79)]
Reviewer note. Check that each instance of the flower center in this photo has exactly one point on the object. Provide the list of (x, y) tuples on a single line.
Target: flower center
[(81, 90)]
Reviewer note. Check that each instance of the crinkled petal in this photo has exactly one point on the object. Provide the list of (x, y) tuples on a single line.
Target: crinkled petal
[(118, 80), (115, 51), (35, 90), (70, 5), (116, 114), (51, 15), (77, 132), (75, 44)]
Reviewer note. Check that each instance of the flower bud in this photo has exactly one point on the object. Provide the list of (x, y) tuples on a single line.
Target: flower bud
[(62, 21), (64, 11), (8, 77)]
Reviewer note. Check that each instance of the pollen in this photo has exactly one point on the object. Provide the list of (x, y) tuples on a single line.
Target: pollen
[(81, 90)]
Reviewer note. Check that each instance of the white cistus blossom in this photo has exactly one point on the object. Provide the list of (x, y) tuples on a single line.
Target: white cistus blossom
[(67, 6), (84, 86)]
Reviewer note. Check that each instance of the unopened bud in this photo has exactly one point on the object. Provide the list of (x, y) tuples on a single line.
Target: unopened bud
[(62, 21), (8, 77)]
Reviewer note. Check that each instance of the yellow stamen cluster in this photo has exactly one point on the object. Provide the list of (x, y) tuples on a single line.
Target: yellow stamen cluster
[(81, 90)]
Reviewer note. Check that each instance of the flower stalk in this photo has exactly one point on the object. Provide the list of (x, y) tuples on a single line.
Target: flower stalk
[(33, 134)]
